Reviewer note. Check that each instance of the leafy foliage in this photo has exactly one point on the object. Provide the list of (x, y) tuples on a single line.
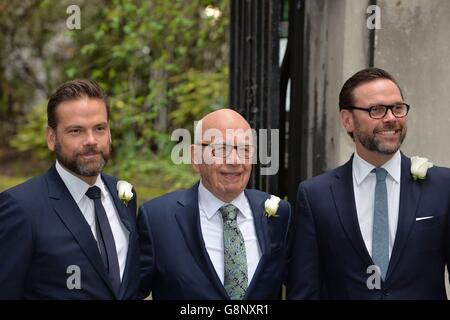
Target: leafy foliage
[(162, 63), (32, 135)]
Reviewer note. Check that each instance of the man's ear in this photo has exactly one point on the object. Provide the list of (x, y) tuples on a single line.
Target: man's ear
[(51, 138), (347, 120)]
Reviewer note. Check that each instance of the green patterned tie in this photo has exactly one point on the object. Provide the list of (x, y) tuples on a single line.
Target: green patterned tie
[(235, 259)]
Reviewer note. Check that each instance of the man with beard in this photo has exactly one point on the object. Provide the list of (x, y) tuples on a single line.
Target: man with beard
[(67, 234), (368, 229)]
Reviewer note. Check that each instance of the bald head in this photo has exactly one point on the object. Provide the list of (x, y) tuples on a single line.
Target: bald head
[(225, 119), (221, 120)]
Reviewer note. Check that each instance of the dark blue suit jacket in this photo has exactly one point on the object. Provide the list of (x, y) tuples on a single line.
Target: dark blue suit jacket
[(43, 232), (175, 264), (330, 258)]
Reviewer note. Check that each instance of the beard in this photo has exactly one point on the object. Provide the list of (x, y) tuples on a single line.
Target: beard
[(371, 143), (84, 168)]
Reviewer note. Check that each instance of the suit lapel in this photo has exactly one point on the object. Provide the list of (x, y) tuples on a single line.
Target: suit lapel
[(73, 219), (344, 199), (132, 243), (188, 218), (122, 209), (261, 227), (257, 206), (409, 200)]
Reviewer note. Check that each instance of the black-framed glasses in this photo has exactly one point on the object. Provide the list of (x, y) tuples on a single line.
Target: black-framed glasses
[(223, 150), (399, 110)]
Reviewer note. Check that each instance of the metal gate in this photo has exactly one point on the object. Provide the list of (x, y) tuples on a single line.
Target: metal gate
[(258, 83)]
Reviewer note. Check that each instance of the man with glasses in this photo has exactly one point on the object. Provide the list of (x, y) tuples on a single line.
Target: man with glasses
[(214, 241), (368, 229)]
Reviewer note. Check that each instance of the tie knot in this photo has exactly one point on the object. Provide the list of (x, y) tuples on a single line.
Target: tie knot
[(93, 193), (229, 212), (381, 174)]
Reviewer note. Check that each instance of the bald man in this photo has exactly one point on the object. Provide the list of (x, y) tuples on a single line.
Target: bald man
[(215, 240)]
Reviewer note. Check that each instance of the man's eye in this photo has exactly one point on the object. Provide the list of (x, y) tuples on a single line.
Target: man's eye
[(377, 108), (220, 150), (101, 129), (74, 131)]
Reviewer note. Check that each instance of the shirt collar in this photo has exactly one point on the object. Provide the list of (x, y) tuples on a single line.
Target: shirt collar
[(75, 185), (211, 204), (362, 168)]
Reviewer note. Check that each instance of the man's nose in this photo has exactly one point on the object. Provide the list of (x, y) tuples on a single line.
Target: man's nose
[(90, 138), (234, 158), (389, 116)]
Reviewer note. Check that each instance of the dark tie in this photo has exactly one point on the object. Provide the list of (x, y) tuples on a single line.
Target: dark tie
[(380, 234), (235, 259), (105, 238)]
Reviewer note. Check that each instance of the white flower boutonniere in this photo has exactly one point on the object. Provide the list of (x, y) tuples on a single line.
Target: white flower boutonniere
[(125, 191), (419, 167), (271, 206)]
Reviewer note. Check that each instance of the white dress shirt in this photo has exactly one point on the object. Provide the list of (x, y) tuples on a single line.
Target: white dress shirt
[(364, 182), (212, 230), (77, 189)]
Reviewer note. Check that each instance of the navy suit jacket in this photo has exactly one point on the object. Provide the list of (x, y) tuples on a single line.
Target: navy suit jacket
[(43, 232), (330, 259), (175, 264)]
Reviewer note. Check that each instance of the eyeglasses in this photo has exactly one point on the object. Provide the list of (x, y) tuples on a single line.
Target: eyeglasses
[(399, 110), (223, 150)]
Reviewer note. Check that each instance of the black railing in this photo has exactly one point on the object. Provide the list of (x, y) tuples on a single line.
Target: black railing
[(255, 72)]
